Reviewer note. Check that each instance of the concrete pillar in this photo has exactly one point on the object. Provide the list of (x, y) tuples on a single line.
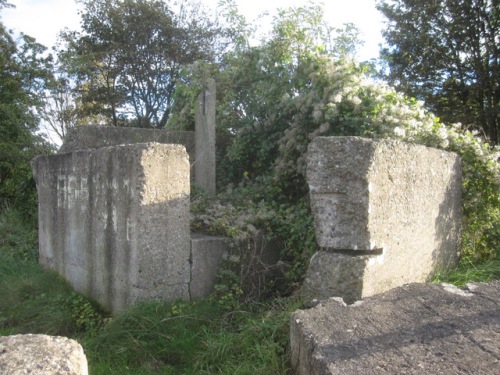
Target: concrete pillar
[(204, 164)]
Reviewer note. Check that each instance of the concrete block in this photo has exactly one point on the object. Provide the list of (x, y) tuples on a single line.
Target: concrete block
[(207, 254), (394, 204), (115, 221), (257, 263), (92, 137)]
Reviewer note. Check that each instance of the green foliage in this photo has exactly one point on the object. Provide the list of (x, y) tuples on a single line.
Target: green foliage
[(153, 337), (279, 96), (254, 343), (340, 98), (274, 99), (470, 271), (446, 53), (229, 287), (33, 300), (24, 74), (193, 338), (19, 237), (253, 82), (85, 314), (130, 54), (257, 210)]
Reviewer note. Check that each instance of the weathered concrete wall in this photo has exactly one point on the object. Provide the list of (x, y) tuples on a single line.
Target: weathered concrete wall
[(208, 148), (115, 221), (41, 355), (207, 254), (386, 213)]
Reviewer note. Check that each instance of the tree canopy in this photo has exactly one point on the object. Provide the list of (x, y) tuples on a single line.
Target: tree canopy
[(447, 52), (129, 55)]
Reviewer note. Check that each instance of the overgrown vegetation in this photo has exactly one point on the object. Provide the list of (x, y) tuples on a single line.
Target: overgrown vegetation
[(300, 82), (446, 53)]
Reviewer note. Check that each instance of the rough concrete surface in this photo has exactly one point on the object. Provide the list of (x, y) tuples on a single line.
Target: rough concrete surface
[(387, 209), (412, 329), (204, 162), (114, 221), (207, 254), (257, 260), (92, 137), (41, 355)]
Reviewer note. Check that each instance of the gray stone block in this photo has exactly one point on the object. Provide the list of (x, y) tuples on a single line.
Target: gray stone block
[(115, 221), (257, 263), (41, 355), (92, 137), (207, 254), (395, 204)]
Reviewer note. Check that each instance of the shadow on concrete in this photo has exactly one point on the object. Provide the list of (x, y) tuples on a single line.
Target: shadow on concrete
[(448, 225)]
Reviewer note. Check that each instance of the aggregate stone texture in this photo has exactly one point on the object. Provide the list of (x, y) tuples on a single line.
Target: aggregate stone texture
[(388, 210), (41, 355), (412, 329), (114, 221)]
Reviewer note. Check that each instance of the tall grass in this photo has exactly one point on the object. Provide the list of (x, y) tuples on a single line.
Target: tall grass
[(18, 235), (470, 271), (199, 338)]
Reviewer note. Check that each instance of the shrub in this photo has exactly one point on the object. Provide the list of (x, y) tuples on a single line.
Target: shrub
[(342, 98)]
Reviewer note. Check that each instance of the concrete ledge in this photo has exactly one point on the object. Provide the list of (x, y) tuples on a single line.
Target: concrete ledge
[(207, 254), (413, 329), (92, 137)]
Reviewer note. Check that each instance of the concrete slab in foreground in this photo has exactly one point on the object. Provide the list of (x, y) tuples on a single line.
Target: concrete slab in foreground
[(412, 329)]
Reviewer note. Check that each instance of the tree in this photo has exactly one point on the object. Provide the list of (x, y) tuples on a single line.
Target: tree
[(129, 56), (447, 52), (24, 73), (255, 81), (59, 112)]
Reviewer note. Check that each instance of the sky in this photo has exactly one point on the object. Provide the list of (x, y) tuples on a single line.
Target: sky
[(44, 19)]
